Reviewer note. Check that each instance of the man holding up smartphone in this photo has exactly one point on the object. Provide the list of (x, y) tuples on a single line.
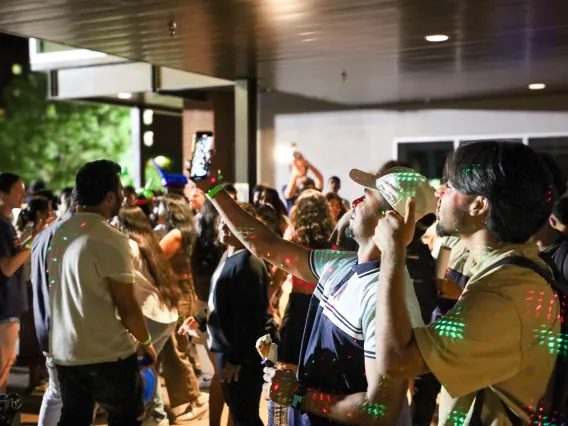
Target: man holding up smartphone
[(337, 381)]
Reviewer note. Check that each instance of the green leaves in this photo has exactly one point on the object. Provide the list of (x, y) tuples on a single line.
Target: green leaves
[(50, 140)]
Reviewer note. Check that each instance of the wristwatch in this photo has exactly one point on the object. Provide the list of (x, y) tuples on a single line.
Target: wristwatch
[(298, 397)]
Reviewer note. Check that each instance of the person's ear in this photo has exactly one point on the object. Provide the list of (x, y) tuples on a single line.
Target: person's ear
[(479, 206)]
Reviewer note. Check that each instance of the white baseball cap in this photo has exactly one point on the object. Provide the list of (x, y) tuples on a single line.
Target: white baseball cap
[(397, 185)]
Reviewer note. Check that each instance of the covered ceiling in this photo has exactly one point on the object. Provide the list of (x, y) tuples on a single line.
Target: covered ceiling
[(355, 52)]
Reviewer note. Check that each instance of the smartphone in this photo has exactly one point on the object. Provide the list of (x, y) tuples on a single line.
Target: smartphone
[(201, 156)]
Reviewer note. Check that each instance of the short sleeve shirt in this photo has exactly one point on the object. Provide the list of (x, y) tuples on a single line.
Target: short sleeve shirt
[(497, 337), (85, 253), (13, 291), (340, 328)]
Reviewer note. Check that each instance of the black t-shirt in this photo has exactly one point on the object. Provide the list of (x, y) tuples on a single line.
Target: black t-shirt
[(240, 308), (13, 292)]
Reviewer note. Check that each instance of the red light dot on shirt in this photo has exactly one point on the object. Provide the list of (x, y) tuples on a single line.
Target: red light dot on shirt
[(213, 180), (276, 387), (287, 260), (83, 224)]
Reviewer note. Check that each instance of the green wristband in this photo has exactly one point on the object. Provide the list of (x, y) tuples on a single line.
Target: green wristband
[(214, 191), (148, 341)]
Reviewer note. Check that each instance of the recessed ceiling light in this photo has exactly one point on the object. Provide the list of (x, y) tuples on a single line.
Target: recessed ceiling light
[(309, 39), (436, 38), (537, 86), (307, 33), (124, 95)]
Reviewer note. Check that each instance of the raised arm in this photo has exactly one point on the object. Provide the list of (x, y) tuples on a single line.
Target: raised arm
[(398, 355), (261, 241), (317, 175), (292, 184)]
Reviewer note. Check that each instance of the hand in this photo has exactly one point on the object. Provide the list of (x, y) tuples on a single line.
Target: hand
[(299, 167), (280, 385), (148, 351), (230, 373), (38, 227), (189, 324), (393, 231)]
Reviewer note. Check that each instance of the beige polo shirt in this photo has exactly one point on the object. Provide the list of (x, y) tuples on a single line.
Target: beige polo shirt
[(500, 335)]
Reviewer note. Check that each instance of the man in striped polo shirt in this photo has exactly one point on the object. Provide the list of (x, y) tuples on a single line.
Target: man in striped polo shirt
[(337, 381)]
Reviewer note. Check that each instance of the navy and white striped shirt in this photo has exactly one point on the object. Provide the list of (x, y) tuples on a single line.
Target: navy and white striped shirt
[(340, 327)]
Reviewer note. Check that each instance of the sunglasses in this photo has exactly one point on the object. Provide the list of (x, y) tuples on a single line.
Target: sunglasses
[(357, 201)]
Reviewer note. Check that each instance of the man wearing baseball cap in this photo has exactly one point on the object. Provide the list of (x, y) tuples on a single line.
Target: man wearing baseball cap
[(338, 382), (495, 350)]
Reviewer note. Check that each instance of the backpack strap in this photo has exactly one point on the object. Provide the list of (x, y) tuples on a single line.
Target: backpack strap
[(477, 408), (559, 259), (523, 262)]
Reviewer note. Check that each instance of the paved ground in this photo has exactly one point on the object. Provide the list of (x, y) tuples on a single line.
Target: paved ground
[(19, 378)]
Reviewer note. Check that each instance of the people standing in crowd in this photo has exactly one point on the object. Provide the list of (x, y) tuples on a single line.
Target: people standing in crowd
[(336, 206), (13, 255), (269, 216), (230, 188), (299, 180), (334, 185), (337, 381), (483, 351), (236, 318), (195, 196), (37, 210), (204, 261), (270, 196), (342, 236), (65, 200), (256, 193), (559, 217), (186, 401), (130, 196), (91, 280), (548, 238), (155, 288), (311, 226), (51, 404)]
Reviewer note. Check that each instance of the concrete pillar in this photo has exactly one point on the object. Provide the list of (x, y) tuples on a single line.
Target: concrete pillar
[(245, 133)]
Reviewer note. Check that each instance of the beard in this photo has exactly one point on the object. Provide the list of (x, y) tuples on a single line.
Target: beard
[(116, 208), (443, 231)]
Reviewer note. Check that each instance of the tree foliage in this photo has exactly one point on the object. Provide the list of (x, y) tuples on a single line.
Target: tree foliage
[(50, 140)]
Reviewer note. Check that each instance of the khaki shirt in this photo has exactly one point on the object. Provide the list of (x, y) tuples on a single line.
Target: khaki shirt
[(502, 335)]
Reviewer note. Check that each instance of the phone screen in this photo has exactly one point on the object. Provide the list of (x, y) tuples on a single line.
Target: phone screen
[(202, 151)]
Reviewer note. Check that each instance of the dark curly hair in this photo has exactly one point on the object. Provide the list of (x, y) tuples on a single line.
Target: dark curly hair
[(312, 221)]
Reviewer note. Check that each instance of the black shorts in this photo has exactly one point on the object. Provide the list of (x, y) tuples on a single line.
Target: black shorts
[(292, 328)]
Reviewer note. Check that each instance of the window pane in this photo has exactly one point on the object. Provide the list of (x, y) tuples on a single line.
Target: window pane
[(556, 146), (427, 158)]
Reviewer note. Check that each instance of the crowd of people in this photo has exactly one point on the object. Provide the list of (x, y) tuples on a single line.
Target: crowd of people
[(381, 307)]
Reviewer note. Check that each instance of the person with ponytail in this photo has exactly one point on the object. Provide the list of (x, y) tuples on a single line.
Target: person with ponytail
[(155, 287)]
